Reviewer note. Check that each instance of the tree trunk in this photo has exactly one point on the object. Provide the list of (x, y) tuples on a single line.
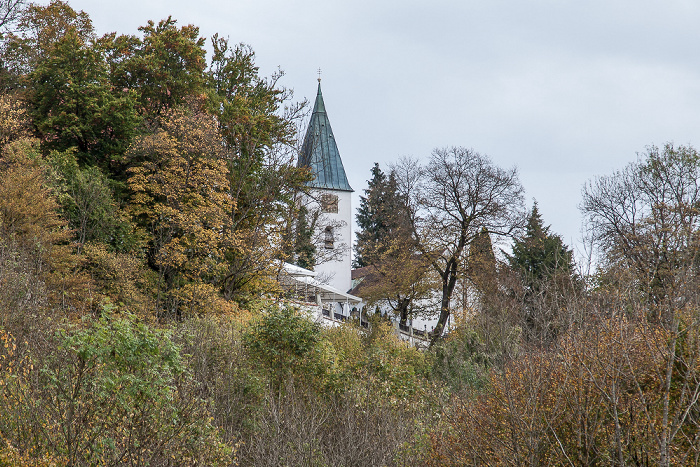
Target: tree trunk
[(448, 286), (402, 309)]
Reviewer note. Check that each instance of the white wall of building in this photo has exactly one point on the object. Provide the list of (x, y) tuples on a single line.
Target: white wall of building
[(337, 271)]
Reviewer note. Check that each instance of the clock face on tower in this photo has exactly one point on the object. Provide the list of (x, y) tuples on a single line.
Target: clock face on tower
[(329, 203)]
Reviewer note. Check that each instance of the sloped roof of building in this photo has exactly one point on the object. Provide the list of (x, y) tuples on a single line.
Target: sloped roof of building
[(320, 152), (294, 270)]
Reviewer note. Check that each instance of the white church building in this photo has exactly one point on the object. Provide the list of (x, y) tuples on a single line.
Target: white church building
[(331, 194), (325, 291)]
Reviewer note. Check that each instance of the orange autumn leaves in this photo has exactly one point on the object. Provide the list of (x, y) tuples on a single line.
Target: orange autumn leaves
[(614, 392), (181, 193)]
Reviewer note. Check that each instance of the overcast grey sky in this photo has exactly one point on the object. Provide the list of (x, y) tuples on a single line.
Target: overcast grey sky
[(563, 90)]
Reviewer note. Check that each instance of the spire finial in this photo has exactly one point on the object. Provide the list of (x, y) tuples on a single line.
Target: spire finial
[(319, 75)]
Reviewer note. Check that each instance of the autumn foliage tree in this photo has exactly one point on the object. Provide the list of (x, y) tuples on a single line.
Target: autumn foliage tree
[(35, 240), (38, 28), (181, 197), (399, 278), (394, 272)]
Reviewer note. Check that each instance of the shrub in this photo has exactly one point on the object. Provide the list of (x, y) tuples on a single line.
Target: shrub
[(113, 392), (286, 342)]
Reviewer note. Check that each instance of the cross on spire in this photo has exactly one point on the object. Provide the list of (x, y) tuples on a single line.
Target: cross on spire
[(319, 75)]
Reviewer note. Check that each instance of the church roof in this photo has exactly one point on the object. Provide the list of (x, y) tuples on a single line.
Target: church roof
[(320, 153)]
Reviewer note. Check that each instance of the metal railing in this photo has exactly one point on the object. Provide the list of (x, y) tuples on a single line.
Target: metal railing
[(413, 332)]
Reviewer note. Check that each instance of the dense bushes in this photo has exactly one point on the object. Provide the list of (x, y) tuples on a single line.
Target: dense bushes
[(213, 391), (290, 393), (615, 391), (112, 392)]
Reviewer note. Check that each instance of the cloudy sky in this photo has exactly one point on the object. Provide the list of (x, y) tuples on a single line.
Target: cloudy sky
[(563, 90)]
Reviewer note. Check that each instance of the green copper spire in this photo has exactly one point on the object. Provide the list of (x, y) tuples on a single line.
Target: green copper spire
[(320, 153)]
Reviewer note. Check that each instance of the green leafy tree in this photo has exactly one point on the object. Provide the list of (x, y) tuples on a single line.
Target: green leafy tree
[(63, 76), (258, 123), (164, 67), (73, 104), (368, 218)]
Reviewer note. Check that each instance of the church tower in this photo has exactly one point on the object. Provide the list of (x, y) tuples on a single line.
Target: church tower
[(331, 193)]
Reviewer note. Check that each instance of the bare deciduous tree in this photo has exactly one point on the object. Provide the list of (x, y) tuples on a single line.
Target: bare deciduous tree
[(9, 12), (646, 218), (450, 199)]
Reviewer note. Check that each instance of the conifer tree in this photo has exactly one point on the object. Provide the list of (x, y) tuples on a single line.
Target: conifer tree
[(381, 216), (398, 276), (546, 268), (540, 254), (304, 248)]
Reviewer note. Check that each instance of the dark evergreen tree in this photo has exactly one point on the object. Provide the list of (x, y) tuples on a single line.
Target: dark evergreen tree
[(398, 276), (540, 254), (304, 248), (381, 216), (546, 267), (367, 216)]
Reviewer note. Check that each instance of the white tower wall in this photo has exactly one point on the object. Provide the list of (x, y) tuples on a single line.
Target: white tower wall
[(338, 269), (331, 195)]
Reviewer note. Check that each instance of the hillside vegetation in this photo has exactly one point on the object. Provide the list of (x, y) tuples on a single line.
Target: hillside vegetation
[(147, 194)]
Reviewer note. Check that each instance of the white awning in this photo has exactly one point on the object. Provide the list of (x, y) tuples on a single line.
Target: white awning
[(294, 270), (327, 293)]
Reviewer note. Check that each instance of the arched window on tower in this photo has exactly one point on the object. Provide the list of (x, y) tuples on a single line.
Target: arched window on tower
[(328, 238)]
